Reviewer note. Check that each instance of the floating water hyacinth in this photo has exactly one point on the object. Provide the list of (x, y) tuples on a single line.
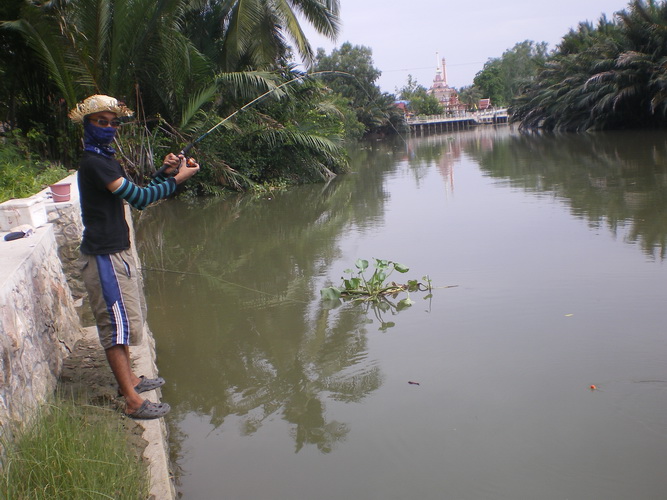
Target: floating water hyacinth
[(378, 286)]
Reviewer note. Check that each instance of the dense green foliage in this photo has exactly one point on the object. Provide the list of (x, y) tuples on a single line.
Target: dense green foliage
[(183, 66), (470, 96), (609, 76), (75, 452), (504, 77), (252, 34), (353, 77), (22, 174)]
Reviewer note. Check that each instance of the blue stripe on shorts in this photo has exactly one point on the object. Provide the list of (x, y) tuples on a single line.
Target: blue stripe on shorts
[(114, 300)]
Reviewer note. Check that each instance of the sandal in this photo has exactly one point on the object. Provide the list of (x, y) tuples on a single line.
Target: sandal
[(149, 410), (146, 384)]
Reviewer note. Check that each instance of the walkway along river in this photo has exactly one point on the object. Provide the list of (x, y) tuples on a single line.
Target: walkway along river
[(556, 245)]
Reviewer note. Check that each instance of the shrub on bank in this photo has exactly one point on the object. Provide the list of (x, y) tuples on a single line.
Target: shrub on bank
[(21, 175)]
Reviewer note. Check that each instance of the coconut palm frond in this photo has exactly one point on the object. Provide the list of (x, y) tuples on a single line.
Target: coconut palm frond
[(626, 93), (195, 104), (329, 108), (633, 58), (246, 85), (323, 15), (46, 43), (659, 102), (257, 29), (292, 26)]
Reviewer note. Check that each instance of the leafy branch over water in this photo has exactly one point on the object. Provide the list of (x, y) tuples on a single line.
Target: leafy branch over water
[(376, 288)]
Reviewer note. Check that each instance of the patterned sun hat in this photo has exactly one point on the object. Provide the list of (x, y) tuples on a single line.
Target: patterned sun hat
[(96, 104)]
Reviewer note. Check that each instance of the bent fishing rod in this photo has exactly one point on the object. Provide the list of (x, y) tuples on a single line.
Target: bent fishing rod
[(187, 148)]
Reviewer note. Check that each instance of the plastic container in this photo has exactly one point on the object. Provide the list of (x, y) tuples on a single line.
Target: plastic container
[(30, 211), (60, 192)]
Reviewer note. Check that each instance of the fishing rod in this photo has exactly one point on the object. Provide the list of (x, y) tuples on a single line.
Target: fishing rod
[(189, 146)]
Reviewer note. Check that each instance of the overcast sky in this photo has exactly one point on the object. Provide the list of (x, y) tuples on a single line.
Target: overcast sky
[(406, 35)]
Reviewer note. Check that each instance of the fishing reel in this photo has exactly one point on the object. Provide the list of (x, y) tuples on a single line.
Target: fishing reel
[(190, 162)]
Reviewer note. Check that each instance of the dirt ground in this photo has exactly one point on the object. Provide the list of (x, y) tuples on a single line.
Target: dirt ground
[(87, 377)]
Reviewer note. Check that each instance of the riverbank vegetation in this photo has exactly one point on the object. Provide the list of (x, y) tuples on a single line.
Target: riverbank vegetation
[(184, 67), (72, 451), (504, 77), (607, 75), (611, 75), (349, 72), (22, 173)]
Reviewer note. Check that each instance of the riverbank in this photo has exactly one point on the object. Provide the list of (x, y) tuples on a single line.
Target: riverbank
[(87, 377), (44, 345)]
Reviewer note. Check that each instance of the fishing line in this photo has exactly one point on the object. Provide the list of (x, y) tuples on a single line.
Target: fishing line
[(188, 147), (202, 275), (273, 295)]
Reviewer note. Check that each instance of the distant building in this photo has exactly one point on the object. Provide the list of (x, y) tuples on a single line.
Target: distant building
[(484, 104), (446, 95), (402, 105)]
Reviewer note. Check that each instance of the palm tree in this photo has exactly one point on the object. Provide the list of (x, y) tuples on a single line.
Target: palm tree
[(132, 49), (256, 33), (611, 76)]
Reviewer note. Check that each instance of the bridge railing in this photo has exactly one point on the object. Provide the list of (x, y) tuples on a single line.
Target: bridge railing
[(477, 116)]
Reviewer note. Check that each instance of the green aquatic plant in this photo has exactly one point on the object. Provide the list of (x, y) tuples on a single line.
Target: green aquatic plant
[(377, 287)]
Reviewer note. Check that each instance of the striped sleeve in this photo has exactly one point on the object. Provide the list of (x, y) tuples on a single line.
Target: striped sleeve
[(158, 179), (140, 197)]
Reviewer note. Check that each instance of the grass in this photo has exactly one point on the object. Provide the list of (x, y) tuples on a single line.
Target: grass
[(72, 451), (21, 175)]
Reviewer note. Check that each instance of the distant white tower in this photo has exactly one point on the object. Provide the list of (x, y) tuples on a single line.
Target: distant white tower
[(440, 70), (440, 89)]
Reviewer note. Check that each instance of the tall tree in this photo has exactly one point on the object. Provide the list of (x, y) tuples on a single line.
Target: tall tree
[(610, 76), (470, 96), (353, 77), (503, 78), (489, 83), (257, 33)]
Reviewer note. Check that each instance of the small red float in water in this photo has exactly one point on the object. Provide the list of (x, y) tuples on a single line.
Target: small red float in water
[(593, 387)]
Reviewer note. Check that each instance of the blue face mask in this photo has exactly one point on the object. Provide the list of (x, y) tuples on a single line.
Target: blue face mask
[(97, 139), (98, 135)]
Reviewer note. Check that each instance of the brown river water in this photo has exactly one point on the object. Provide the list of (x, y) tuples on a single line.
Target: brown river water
[(546, 256)]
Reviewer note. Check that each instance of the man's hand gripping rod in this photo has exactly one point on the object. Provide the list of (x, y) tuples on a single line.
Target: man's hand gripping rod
[(183, 152)]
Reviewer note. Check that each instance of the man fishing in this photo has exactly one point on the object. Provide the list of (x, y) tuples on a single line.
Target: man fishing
[(108, 267)]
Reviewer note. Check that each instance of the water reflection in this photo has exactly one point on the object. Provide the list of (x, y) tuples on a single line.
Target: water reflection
[(262, 345), (613, 180), (268, 344), (243, 338)]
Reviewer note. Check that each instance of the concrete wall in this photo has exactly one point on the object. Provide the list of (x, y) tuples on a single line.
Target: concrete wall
[(67, 227), (38, 323)]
